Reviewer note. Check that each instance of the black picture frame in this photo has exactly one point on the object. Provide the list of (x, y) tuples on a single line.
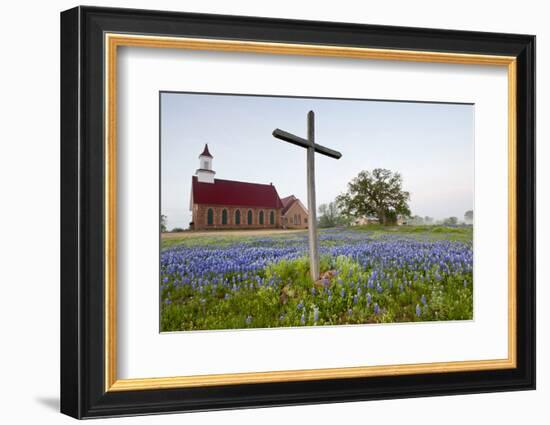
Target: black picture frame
[(83, 392)]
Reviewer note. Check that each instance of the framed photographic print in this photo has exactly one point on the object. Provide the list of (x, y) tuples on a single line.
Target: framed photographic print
[(261, 212)]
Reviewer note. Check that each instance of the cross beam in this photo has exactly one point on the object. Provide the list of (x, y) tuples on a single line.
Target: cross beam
[(304, 143), (311, 147)]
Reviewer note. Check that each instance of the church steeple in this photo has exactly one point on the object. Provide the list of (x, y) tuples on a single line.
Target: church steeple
[(205, 174), (206, 152)]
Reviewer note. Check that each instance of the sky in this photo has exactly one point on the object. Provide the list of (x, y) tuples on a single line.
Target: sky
[(430, 144)]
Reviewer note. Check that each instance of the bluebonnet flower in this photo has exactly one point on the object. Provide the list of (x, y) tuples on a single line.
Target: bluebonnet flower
[(369, 299), (343, 293), (423, 299), (313, 291), (315, 314), (248, 320), (355, 299), (376, 308), (214, 270), (303, 319), (418, 310)]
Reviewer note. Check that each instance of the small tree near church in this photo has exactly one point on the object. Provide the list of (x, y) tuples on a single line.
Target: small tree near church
[(330, 216), (378, 193)]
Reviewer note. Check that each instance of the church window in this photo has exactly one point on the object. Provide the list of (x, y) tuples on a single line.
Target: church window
[(238, 217), (224, 216), (272, 218), (249, 217), (210, 217), (261, 216)]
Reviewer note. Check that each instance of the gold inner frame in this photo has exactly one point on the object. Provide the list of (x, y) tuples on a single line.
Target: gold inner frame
[(113, 41)]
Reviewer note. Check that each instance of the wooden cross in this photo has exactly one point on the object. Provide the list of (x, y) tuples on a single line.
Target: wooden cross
[(311, 147)]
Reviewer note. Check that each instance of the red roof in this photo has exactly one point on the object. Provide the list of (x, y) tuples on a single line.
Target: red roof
[(230, 192), (287, 202), (206, 152)]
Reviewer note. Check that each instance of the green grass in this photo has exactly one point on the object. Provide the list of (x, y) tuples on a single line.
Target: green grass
[(423, 232), (226, 239), (295, 300), (375, 231)]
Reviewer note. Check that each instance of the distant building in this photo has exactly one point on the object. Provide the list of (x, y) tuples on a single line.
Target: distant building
[(363, 221), (294, 213), (230, 204)]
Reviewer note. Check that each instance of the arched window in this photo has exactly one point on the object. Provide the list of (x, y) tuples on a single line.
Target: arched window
[(237, 217), (261, 217), (249, 218), (224, 216), (295, 218), (210, 217), (272, 218), (299, 219)]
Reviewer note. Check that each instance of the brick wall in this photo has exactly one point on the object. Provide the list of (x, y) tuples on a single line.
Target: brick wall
[(200, 217), (295, 217)]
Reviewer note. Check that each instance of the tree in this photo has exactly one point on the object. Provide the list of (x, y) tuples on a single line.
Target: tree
[(377, 193), (416, 220), (469, 217), (163, 223), (428, 220), (450, 221), (330, 215)]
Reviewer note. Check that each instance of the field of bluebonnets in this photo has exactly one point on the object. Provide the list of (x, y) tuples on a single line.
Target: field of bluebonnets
[(369, 275)]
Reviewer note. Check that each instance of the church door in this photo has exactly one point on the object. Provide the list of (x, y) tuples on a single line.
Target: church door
[(272, 218), (261, 217), (224, 217), (249, 217), (238, 217)]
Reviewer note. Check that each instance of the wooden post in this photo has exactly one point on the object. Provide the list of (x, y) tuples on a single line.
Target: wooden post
[(311, 147), (311, 203)]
